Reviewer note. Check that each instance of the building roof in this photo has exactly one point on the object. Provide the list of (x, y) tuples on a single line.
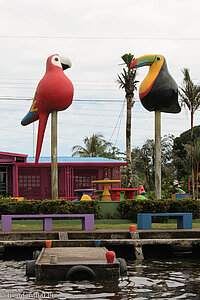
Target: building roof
[(13, 154), (75, 160), (8, 157)]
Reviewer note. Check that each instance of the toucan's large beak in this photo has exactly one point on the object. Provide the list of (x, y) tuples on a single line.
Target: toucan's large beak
[(141, 61), (65, 62)]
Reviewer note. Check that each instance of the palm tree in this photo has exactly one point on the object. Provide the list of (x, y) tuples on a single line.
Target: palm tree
[(189, 94), (113, 153), (127, 82), (95, 145), (193, 157), (197, 161), (190, 97)]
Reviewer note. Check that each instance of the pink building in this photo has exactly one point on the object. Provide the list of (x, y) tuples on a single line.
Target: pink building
[(20, 177)]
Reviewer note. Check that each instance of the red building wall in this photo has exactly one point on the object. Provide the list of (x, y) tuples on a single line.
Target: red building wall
[(35, 182), (26, 179)]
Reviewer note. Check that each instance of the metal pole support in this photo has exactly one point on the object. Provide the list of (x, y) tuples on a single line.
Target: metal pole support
[(158, 154), (54, 166)]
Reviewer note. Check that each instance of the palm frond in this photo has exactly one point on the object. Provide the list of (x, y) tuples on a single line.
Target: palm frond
[(189, 92)]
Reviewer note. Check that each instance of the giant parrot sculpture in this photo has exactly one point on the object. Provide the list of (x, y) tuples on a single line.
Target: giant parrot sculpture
[(54, 92), (158, 91)]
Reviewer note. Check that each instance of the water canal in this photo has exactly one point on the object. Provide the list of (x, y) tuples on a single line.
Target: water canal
[(149, 279)]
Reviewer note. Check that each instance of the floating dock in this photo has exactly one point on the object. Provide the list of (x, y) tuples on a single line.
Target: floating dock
[(58, 264)]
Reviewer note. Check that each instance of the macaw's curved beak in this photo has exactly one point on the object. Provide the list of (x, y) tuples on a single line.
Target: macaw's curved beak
[(65, 62), (141, 61)]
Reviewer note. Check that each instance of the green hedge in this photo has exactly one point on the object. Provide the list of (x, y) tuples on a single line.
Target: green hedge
[(11, 206), (129, 209)]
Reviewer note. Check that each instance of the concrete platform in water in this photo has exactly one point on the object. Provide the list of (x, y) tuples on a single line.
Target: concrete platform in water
[(57, 263), (136, 245)]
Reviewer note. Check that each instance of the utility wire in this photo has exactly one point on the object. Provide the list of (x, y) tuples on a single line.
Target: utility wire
[(120, 121), (119, 118), (107, 100), (100, 37)]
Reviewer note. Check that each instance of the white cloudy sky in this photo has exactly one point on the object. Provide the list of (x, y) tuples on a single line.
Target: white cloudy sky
[(94, 34)]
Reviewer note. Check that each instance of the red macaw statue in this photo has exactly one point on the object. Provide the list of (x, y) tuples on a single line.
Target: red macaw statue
[(54, 92)]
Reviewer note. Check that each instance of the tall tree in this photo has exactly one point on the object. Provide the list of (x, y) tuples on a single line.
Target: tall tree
[(143, 160), (127, 81), (96, 145), (189, 94), (113, 153), (190, 97), (197, 161)]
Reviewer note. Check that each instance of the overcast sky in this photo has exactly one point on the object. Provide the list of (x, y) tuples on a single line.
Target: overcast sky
[(94, 34)]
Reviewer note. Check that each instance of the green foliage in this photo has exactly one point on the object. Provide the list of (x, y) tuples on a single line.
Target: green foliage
[(189, 93), (26, 207), (52, 206), (94, 146), (5, 206), (11, 206), (186, 205), (182, 161), (68, 207), (128, 58), (129, 209), (143, 161)]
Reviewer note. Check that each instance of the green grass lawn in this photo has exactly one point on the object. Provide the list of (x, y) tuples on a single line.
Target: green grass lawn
[(99, 224)]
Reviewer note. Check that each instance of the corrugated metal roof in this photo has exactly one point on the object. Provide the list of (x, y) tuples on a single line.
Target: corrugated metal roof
[(69, 159)]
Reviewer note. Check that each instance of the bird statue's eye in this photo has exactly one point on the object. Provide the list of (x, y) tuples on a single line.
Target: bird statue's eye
[(158, 58), (56, 61)]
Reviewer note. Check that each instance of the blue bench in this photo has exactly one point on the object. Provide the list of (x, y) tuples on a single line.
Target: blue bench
[(184, 220)]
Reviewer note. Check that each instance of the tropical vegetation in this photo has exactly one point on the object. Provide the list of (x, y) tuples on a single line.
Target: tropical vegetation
[(175, 159), (127, 209), (189, 94), (94, 145), (127, 81), (97, 146)]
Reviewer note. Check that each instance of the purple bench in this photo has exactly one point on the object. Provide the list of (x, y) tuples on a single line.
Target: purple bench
[(87, 220)]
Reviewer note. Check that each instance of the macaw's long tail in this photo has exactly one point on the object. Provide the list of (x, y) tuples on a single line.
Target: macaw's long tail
[(43, 117)]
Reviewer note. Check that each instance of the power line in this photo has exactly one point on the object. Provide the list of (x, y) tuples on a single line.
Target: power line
[(81, 89), (101, 37), (99, 82), (118, 121), (107, 100)]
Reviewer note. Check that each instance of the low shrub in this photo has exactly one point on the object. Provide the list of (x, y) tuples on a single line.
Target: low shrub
[(12, 206), (5, 207), (129, 209), (186, 205), (27, 207)]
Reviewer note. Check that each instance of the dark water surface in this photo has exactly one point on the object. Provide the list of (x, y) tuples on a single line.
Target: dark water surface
[(150, 279)]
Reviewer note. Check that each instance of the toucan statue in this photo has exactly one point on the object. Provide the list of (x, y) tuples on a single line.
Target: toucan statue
[(158, 91), (54, 92)]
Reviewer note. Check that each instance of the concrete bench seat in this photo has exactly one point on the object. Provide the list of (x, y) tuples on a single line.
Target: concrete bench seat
[(87, 220), (184, 220)]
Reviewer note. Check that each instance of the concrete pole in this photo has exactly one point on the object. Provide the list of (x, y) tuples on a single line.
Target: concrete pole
[(158, 154), (54, 166)]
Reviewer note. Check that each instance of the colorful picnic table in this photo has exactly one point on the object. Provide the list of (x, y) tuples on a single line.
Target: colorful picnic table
[(106, 182)]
